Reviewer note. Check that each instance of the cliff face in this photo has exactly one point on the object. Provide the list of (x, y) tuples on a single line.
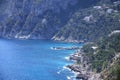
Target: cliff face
[(36, 19), (91, 23)]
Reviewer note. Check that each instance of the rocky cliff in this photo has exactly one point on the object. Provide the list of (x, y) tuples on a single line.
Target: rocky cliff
[(37, 19), (91, 23), (64, 20)]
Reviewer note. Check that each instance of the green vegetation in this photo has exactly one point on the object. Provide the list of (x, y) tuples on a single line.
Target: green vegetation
[(106, 56), (91, 23), (104, 53), (114, 73)]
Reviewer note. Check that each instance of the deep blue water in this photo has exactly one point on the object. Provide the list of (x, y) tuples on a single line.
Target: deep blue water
[(33, 60)]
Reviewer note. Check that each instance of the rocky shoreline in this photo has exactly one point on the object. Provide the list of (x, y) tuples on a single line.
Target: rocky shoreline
[(82, 68), (65, 48)]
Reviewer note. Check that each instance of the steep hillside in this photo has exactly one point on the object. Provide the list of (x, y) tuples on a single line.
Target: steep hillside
[(37, 19), (64, 20), (92, 23), (104, 56)]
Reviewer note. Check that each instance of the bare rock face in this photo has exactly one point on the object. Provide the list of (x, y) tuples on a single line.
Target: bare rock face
[(36, 19)]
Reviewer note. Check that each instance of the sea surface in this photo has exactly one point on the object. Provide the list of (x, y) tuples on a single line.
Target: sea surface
[(34, 60)]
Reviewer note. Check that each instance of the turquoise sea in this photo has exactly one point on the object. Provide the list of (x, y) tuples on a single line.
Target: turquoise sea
[(34, 60)]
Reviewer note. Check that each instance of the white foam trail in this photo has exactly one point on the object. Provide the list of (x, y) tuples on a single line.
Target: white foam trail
[(67, 58), (68, 77), (64, 67), (58, 72), (71, 77)]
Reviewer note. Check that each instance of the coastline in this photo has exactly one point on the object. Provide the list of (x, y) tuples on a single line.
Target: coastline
[(81, 67)]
